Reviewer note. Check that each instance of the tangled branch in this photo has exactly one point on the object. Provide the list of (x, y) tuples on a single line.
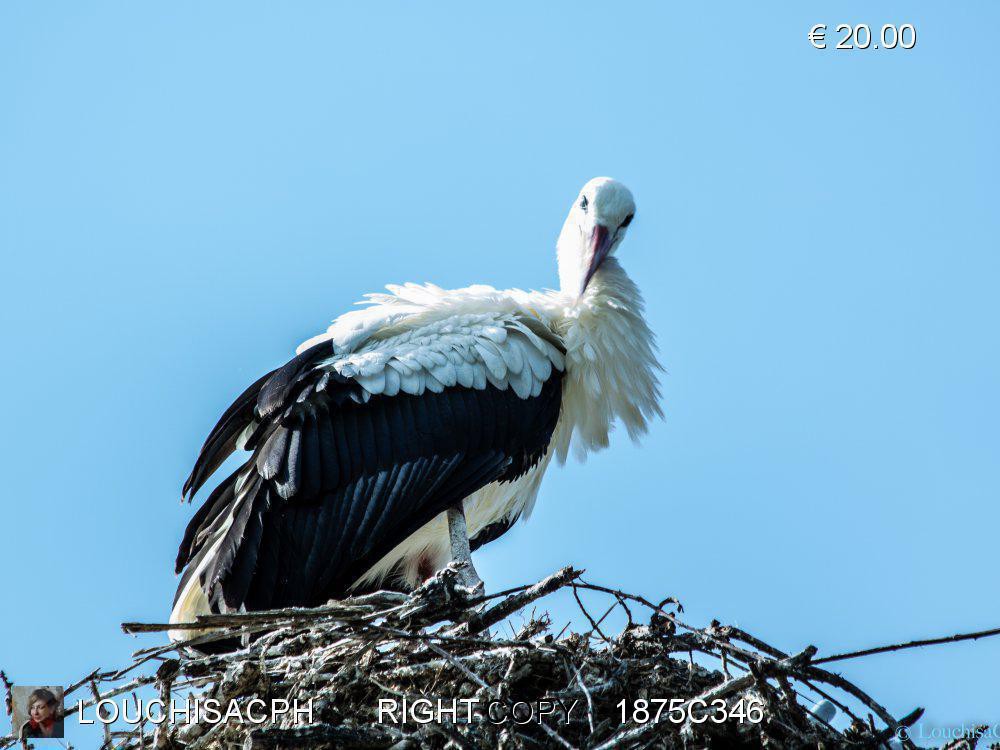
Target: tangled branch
[(652, 685)]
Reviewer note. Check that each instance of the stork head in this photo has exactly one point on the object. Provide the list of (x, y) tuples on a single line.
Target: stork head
[(596, 225)]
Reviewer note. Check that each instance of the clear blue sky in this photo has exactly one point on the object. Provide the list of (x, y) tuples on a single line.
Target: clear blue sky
[(186, 192)]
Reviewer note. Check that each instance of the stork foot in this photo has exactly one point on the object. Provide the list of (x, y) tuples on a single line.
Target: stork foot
[(469, 582)]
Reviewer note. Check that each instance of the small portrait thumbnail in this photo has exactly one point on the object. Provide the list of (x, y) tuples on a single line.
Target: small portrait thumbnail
[(38, 711)]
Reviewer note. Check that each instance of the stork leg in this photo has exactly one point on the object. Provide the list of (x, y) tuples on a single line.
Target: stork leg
[(460, 552)]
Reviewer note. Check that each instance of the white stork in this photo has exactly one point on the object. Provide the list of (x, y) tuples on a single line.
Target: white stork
[(418, 428)]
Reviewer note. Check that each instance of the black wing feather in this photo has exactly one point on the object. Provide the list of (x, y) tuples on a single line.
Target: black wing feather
[(337, 478), (221, 441), (258, 401)]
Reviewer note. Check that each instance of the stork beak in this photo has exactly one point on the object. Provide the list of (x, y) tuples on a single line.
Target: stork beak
[(600, 244)]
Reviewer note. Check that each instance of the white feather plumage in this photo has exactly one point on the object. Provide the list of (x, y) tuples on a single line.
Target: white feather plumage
[(493, 336)]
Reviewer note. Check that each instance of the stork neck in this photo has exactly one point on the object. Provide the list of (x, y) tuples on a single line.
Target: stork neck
[(610, 280), (570, 257)]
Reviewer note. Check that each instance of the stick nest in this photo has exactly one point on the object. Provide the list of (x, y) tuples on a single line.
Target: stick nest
[(438, 644)]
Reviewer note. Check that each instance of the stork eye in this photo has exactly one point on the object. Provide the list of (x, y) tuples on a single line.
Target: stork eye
[(628, 220), (584, 203)]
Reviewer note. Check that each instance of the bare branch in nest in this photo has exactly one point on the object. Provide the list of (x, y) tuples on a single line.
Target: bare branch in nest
[(434, 649), (911, 644)]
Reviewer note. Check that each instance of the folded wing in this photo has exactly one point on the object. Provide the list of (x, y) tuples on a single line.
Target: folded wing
[(351, 452)]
